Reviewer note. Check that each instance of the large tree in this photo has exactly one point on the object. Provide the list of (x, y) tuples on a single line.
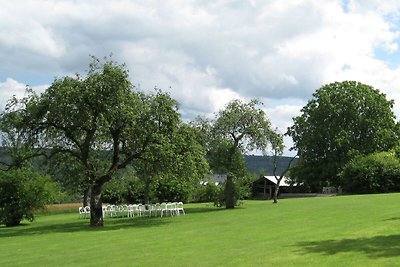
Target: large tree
[(238, 128), (340, 118), (98, 119), (176, 154)]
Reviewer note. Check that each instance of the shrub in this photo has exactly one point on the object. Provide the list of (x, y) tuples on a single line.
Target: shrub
[(171, 189), (373, 173), (23, 191), (123, 189), (208, 192)]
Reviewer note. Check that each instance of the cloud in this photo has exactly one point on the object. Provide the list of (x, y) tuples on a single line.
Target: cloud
[(10, 88), (207, 52)]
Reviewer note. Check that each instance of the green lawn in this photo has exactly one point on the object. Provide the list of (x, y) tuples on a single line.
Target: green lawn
[(331, 231)]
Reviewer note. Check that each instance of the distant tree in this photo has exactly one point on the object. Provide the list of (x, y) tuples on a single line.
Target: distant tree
[(238, 128), (23, 191), (276, 158), (341, 117), (16, 143)]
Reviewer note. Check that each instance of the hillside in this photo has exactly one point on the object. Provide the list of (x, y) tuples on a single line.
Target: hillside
[(264, 164)]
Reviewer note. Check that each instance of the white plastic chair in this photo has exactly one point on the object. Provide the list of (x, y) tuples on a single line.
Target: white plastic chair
[(87, 211), (136, 209), (152, 210), (158, 208), (143, 210), (131, 211), (164, 208), (173, 209), (81, 212), (124, 210), (179, 208)]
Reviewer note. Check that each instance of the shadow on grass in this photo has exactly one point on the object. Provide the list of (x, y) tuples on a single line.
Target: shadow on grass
[(110, 224), (71, 225), (203, 209), (393, 219), (378, 246)]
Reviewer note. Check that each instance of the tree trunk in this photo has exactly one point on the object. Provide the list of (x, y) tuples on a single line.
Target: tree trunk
[(85, 197), (229, 193), (276, 191), (146, 191), (96, 206)]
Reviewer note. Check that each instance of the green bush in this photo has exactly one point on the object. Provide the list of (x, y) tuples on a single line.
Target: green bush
[(172, 189), (242, 189), (208, 192), (123, 189), (373, 173), (23, 191)]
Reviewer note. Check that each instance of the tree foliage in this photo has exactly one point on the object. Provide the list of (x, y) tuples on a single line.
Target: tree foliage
[(176, 157), (341, 117), (238, 128), (374, 173), (22, 191), (102, 125), (99, 120)]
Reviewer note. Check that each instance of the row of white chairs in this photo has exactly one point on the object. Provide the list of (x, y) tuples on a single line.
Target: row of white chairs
[(132, 210)]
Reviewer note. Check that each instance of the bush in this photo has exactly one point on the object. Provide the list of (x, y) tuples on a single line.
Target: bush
[(374, 173), (123, 189), (242, 189), (208, 192), (171, 189), (23, 191)]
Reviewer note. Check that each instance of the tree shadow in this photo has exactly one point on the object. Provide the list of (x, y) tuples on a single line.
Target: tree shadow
[(393, 219), (81, 225), (378, 246), (202, 209)]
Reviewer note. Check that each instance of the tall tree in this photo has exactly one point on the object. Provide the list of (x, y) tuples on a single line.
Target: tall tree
[(97, 119), (340, 118), (238, 128), (176, 154)]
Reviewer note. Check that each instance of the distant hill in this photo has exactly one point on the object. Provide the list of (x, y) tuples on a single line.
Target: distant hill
[(264, 164), (255, 164)]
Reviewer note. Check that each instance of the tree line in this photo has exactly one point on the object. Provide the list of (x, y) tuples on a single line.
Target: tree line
[(98, 124), (96, 131)]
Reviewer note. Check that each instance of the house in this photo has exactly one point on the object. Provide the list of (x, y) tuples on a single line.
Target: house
[(265, 186)]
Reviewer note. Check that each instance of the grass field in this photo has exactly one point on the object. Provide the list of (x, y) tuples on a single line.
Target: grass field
[(331, 231)]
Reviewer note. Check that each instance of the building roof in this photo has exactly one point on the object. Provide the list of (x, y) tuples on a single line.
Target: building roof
[(284, 181)]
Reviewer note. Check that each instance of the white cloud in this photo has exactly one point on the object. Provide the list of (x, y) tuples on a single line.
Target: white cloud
[(11, 87), (8, 89), (209, 52)]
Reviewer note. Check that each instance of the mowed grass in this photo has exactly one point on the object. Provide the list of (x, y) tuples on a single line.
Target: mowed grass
[(328, 231)]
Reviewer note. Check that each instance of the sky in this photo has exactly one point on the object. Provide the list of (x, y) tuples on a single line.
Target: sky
[(206, 53)]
